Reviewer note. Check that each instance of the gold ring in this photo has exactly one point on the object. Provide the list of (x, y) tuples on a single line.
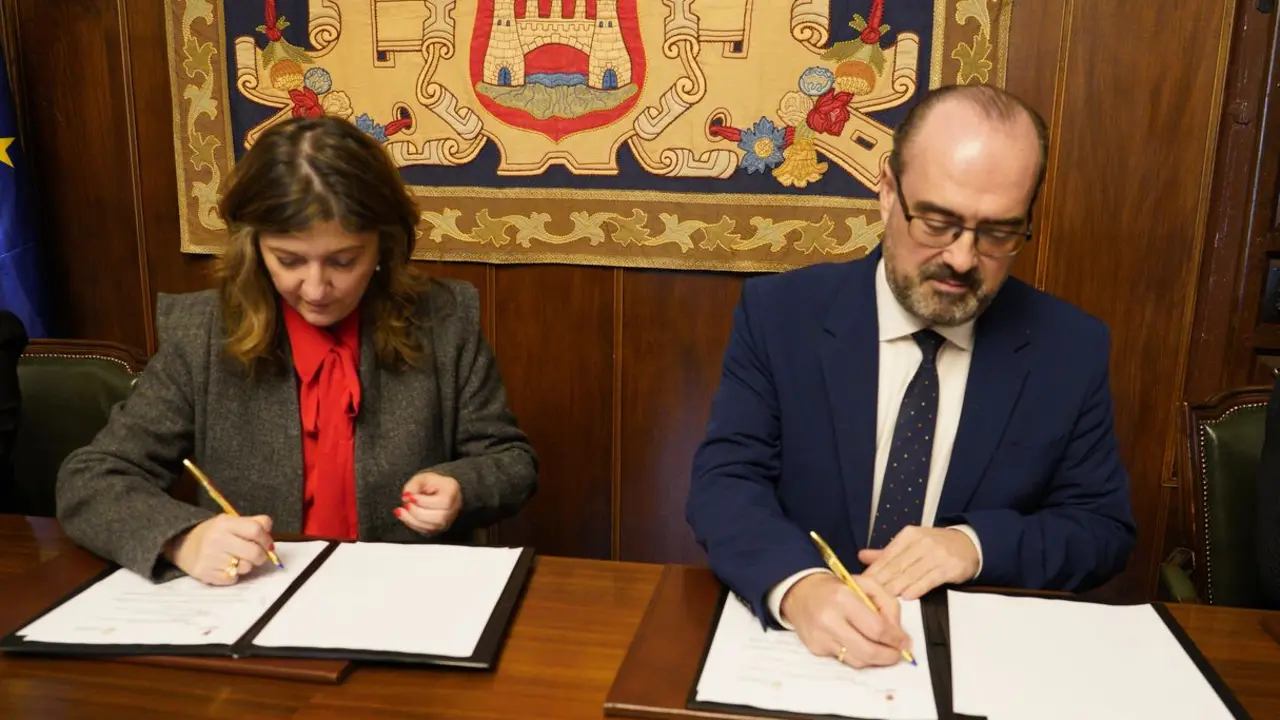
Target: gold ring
[(841, 654), (231, 568)]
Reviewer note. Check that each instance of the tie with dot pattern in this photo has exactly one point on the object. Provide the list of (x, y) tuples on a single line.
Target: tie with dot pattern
[(907, 473)]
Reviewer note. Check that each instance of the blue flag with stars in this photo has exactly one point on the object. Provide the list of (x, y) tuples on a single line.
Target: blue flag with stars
[(22, 287)]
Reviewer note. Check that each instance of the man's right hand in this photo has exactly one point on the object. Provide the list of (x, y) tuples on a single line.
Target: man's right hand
[(833, 621), (221, 549)]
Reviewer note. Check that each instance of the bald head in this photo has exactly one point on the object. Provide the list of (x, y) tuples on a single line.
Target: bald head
[(963, 176), (956, 111)]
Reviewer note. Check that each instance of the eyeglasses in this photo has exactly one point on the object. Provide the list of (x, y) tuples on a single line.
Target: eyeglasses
[(938, 233)]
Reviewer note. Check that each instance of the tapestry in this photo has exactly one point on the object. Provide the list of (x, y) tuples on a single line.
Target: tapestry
[(730, 135)]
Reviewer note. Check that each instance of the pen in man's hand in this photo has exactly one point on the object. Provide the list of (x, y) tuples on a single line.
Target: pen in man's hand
[(838, 568)]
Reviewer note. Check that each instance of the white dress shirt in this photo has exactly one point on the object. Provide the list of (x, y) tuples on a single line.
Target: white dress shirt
[(900, 357)]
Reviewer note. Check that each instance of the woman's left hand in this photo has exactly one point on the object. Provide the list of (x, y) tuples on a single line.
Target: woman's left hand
[(431, 503)]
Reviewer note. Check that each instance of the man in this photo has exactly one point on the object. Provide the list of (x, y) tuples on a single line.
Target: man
[(933, 420)]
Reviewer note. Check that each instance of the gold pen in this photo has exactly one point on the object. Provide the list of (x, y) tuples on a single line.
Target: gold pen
[(207, 484), (838, 568)]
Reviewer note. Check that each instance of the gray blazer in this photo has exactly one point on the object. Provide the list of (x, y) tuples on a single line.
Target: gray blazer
[(191, 401)]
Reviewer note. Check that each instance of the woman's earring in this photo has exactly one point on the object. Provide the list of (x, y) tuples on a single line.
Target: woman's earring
[(377, 268)]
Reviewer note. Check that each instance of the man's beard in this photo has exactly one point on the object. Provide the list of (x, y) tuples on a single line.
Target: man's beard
[(934, 306)]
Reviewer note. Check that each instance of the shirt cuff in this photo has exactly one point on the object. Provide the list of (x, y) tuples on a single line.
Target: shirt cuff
[(774, 598), (977, 545)]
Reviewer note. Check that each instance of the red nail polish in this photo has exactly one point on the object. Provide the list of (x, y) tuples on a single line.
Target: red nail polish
[(398, 511)]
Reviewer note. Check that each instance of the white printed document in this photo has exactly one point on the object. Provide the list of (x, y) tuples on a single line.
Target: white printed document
[(426, 604), (417, 599), (1025, 657), (125, 608), (773, 670)]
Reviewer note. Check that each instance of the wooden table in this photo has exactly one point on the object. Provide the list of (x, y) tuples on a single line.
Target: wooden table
[(569, 638)]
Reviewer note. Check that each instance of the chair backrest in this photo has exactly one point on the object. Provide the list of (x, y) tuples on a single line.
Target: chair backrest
[(68, 390), (1219, 467)]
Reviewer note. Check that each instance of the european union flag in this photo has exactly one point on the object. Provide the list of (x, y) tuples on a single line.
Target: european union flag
[(22, 290)]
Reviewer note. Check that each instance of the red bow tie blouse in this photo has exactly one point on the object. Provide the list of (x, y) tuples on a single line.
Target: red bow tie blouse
[(328, 362)]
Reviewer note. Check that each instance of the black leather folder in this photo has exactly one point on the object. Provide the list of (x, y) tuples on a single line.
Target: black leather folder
[(484, 657)]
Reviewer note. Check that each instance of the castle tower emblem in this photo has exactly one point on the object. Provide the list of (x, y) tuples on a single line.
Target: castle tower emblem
[(556, 74)]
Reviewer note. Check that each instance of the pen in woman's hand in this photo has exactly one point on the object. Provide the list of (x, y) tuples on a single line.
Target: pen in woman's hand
[(207, 484)]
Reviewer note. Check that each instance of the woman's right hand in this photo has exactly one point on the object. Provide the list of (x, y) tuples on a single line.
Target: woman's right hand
[(221, 549)]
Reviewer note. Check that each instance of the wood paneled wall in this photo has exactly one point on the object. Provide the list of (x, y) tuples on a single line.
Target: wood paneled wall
[(1236, 336), (611, 371)]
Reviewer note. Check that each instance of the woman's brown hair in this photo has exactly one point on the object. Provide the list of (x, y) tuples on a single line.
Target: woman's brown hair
[(302, 172)]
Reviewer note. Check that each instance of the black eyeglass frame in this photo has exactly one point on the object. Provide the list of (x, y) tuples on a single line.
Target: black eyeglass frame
[(957, 229)]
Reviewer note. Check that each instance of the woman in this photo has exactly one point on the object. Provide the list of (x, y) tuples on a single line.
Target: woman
[(324, 387), (1268, 524), (13, 340)]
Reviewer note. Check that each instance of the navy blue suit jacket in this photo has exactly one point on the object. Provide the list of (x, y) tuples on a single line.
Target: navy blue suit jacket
[(790, 445)]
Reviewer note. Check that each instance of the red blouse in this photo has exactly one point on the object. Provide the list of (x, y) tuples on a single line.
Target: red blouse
[(328, 363)]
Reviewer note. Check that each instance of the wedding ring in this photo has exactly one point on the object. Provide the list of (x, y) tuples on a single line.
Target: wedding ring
[(231, 568), (841, 654)]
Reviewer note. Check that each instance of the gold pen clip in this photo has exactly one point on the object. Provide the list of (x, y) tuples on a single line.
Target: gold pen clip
[(829, 557)]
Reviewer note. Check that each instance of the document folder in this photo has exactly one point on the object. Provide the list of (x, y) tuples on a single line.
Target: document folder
[(308, 640)]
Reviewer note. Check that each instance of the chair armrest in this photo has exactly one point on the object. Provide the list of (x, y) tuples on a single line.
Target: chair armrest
[(1177, 583)]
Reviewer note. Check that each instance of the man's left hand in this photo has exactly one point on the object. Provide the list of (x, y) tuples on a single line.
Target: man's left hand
[(920, 559)]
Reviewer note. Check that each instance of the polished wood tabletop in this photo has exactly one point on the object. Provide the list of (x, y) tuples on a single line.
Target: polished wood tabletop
[(1247, 658), (567, 642)]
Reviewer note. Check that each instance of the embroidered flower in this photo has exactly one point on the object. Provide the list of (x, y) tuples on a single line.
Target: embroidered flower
[(306, 103), (286, 75), (794, 108), (855, 76), (816, 80), (371, 128), (830, 112), (337, 103), (762, 144), (319, 80), (800, 165)]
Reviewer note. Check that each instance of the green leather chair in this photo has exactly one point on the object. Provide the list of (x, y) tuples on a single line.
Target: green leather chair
[(68, 390), (1218, 480)]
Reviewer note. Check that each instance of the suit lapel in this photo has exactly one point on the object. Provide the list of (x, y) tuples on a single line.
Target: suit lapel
[(851, 368), (270, 411), (367, 430), (996, 375)]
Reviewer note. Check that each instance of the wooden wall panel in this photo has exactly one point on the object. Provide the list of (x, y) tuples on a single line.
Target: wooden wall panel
[(611, 371), (1219, 358), (1242, 208), (1034, 41), (1136, 131), (167, 271), (75, 99), (674, 330), (553, 336), (1242, 263), (479, 275)]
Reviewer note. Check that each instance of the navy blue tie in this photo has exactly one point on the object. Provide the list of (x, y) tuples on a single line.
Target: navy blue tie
[(906, 475)]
